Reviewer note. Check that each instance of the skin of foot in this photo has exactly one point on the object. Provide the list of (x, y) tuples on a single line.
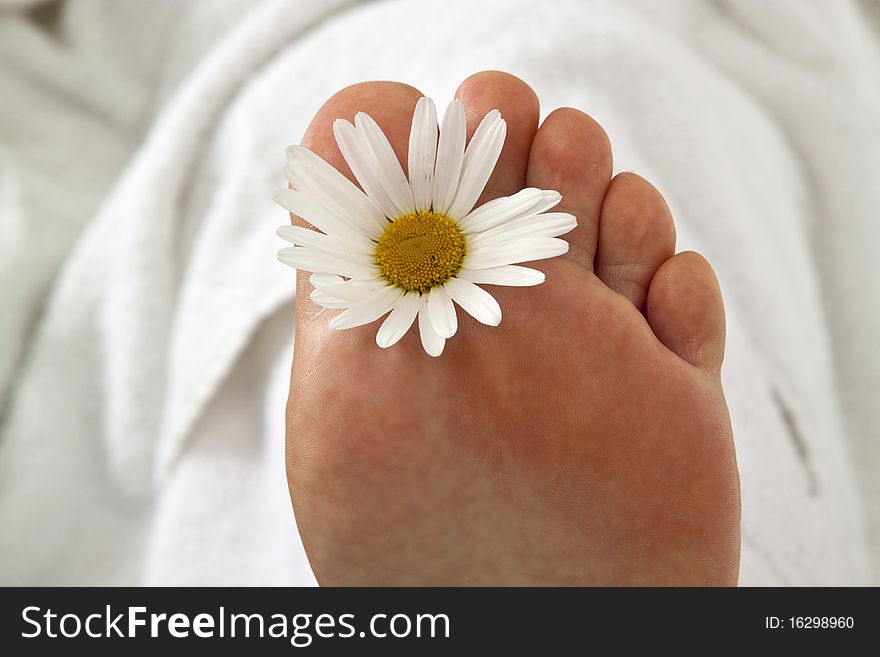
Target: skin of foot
[(584, 441)]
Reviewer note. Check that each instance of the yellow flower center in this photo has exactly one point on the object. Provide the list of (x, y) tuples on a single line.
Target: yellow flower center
[(419, 251)]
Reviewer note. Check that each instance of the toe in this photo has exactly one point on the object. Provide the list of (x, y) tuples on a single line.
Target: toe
[(685, 310), (518, 104), (390, 104), (636, 236), (571, 154)]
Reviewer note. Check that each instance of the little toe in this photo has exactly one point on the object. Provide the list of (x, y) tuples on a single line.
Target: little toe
[(490, 90), (636, 236), (685, 310), (571, 154)]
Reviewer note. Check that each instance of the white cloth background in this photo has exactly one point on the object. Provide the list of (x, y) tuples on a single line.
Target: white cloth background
[(145, 325)]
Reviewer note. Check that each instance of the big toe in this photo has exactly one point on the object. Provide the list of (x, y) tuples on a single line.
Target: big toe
[(685, 310), (390, 104)]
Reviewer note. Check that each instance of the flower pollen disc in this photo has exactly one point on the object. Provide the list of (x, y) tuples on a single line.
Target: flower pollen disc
[(420, 251)]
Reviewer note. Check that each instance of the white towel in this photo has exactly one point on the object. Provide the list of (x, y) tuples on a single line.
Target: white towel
[(146, 326)]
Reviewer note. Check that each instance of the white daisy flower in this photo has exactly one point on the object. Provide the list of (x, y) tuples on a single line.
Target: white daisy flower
[(413, 247)]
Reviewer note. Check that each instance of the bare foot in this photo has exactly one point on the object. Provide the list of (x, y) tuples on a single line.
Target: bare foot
[(583, 441)]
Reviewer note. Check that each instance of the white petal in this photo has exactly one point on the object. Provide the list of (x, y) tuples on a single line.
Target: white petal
[(551, 224), (442, 313), (316, 261), (431, 342), (399, 321), (317, 280), (391, 174), (334, 292), (450, 155), (326, 243), (326, 220), (328, 300), (369, 309), (511, 275), (476, 301), (363, 165), (353, 290), (537, 248), (479, 162), (310, 174), (525, 202), (423, 153)]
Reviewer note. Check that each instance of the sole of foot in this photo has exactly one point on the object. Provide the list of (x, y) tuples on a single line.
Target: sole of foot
[(584, 441)]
